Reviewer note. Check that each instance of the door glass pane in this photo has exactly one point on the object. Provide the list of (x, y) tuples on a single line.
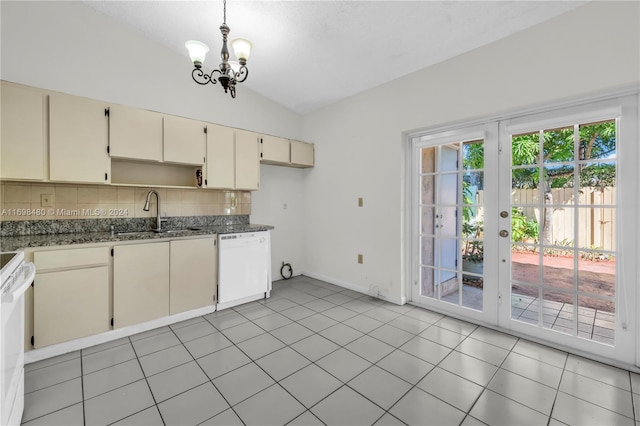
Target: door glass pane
[(525, 149), (598, 140), (427, 194), (452, 185), (427, 160), (553, 303), (563, 210), (597, 316), (558, 145), (426, 220)]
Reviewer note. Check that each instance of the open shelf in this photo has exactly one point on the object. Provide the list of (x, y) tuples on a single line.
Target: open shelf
[(137, 173)]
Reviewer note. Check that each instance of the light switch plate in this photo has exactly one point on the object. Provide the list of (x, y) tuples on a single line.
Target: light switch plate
[(360, 259), (360, 202)]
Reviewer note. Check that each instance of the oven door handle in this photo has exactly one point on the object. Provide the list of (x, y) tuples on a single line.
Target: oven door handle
[(20, 286)]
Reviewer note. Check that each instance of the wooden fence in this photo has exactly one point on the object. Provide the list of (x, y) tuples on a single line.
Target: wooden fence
[(596, 215)]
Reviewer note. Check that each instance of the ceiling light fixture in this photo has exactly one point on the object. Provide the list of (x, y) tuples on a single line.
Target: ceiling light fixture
[(230, 72)]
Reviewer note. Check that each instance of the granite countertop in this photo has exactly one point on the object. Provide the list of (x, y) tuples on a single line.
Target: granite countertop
[(46, 240)]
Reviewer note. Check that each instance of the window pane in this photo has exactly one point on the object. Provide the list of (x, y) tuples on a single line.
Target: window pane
[(559, 177), (426, 221), (427, 250), (427, 194), (553, 303), (525, 178), (598, 140), (427, 160), (597, 174), (558, 145), (525, 149), (473, 155), (597, 229)]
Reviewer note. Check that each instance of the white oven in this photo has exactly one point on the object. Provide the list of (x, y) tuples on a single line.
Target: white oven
[(15, 278)]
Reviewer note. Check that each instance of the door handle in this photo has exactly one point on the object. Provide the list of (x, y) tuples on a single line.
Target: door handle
[(504, 233)]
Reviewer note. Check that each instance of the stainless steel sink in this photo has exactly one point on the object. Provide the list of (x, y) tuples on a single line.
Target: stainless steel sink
[(124, 234), (169, 231), (152, 232)]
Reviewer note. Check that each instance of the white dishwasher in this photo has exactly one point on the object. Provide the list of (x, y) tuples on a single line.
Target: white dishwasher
[(244, 267)]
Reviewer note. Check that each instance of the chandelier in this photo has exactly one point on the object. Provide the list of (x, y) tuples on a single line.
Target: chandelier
[(230, 72)]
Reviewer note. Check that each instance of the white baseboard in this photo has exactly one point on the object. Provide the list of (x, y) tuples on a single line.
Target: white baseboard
[(360, 289)]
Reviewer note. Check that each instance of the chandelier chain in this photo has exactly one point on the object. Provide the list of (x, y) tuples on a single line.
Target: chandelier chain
[(224, 11)]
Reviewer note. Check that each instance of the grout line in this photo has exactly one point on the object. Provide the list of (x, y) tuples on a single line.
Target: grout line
[(395, 347), (144, 375)]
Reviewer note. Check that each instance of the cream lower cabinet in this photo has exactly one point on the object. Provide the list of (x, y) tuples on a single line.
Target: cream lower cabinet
[(70, 295), (194, 274), (140, 283)]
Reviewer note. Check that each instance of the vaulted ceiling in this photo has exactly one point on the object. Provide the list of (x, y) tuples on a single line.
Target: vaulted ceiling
[(309, 54)]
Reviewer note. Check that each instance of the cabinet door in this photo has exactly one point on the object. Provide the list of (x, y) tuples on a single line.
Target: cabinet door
[(70, 304), (193, 274), (274, 150), (247, 160), (184, 140), (77, 140), (22, 138), (302, 154), (220, 157), (135, 133), (140, 283)]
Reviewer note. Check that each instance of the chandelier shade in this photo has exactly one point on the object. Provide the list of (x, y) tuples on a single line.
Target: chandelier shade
[(197, 51)]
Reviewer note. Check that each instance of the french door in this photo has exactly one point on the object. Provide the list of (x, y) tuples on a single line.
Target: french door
[(455, 262), (517, 224)]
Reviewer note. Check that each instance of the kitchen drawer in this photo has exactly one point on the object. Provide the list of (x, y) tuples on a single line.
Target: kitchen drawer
[(72, 258)]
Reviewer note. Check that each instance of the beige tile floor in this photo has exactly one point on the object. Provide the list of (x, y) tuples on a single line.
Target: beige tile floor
[(314, 354)]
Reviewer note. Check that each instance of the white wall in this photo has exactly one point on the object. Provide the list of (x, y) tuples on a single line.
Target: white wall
[(67, 47), (592, 49), (280, 186)]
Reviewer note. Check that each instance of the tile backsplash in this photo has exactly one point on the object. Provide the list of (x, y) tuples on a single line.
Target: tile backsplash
[(24, 201)]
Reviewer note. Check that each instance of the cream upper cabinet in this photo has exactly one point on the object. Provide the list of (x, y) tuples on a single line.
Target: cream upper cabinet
[(274, 150), (184, 140), (194, 274), (247, 160), (70, 295), (78, 140), (220, 157), (22, 134), (302, 154), (140, 283), (135, 133)]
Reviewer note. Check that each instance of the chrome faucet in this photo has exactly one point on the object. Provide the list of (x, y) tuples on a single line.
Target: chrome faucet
[(146, 209)]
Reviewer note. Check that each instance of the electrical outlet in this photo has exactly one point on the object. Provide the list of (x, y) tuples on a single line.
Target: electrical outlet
[(46, 200), (360, 202), (360, 259)]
